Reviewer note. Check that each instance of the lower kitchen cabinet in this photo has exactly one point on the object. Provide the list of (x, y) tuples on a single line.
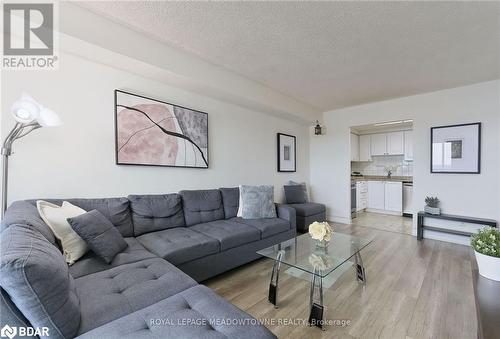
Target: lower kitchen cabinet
[(376, 195), (385, 196), (394, 196)]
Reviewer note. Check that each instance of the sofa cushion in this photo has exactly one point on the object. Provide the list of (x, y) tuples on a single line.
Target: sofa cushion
[(156, 212), (267, 227), (179, 245), (295, 194), (202, 206), (308, 209), (91, 263), (256, 202), (194, 313), (35, 275), (231, 201), (114, 293), (99, 233), (229, 234), (25, 213), (116, 210)]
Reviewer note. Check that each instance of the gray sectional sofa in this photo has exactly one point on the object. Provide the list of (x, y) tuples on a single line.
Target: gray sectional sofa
[(148, 290)]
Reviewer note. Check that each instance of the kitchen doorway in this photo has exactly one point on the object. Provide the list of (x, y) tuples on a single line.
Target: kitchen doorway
[(382, 176)]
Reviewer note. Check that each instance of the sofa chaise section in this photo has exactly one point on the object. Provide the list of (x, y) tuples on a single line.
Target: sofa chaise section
[(117, 292), (196, 312)]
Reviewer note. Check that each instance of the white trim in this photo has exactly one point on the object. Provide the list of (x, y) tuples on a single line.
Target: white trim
[(374, 210), (340, 220)]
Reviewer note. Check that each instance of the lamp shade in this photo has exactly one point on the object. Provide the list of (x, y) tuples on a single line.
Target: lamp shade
[(26, 110), (48, 118)]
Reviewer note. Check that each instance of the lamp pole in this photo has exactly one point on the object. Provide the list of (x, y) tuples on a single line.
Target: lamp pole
[(19, 131)]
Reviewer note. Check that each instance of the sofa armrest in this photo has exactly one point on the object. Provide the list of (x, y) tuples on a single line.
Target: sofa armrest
[(287, 213)]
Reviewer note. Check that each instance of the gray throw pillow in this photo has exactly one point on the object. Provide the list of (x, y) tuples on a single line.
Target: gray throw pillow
[(294, 194), (101, 235), (257, 202), (303, 185)]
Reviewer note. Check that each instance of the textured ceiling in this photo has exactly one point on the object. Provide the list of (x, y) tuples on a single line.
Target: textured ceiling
[(330, 54)]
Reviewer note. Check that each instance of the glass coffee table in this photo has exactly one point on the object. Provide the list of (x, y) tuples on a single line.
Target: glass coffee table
[(304, 254)]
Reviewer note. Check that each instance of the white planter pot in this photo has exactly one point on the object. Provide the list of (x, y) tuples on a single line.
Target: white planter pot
[(489, 267)]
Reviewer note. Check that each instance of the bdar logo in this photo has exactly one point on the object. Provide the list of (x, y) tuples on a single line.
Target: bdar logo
[(8, 331)]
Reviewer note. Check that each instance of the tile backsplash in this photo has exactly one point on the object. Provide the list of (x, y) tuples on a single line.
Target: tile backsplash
[(378, 164)]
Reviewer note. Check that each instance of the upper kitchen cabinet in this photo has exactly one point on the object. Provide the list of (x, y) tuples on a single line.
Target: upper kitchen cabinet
[(354, 147), (395, 143), (387, 143), (408, 136), (364, 148), (378, 144)]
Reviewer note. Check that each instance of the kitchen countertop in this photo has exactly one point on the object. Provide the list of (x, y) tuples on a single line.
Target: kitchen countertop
[(383, 178)]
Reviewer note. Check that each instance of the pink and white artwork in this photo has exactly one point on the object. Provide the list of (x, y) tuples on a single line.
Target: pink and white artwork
[(156, 133)]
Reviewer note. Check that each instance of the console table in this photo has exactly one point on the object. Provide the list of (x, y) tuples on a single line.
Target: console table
[(458, 218)]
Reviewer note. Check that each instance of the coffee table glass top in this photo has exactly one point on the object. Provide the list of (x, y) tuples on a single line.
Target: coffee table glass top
[(303, 252)]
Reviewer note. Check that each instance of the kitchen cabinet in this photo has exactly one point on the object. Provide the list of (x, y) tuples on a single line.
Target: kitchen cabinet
[(395, 143), (354, 147), (408, 136), (364, 148), (385, 196), (387, 143), (376, 195), (393, 196), (378, 144)]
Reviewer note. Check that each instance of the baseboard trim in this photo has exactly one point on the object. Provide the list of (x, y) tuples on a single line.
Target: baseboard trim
[(374, 210), (340, 220)]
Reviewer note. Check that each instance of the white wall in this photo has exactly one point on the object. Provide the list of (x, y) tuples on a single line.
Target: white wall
[(78, 158), (465, 194)]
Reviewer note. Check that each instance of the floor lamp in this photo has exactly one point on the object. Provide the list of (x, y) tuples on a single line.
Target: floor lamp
[(29, 116)]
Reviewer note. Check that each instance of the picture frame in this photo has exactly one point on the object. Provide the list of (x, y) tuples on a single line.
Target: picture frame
[(456, 149), (152, 132), (287, 152)]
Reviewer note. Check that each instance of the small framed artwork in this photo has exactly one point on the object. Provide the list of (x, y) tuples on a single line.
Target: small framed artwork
[(151, 132), (456, 149), (287, 161)]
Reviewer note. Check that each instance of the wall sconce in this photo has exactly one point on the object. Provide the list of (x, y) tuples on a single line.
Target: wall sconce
[(317, 128)]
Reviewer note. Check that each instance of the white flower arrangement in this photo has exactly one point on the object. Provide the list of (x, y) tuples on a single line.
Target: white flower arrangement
[(321, 231)]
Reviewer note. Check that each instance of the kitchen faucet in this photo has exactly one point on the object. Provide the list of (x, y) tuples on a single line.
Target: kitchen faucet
[(389, 173)]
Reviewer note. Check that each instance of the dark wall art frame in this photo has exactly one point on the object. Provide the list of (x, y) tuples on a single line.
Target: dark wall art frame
[(478, 171), (278, 139), (171, 133)]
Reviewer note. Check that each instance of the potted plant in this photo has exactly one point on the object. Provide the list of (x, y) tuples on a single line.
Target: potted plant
[(486, 244), (432, 205), (321, 232)]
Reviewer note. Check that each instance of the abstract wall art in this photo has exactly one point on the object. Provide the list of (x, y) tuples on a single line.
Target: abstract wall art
[(456, 149), (155, 133), (286, 153)]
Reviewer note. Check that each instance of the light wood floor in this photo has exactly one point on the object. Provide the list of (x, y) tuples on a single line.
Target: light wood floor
[(414, 290), (384, 222)]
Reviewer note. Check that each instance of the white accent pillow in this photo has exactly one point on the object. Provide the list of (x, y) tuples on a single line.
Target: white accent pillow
[(55, 217)]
